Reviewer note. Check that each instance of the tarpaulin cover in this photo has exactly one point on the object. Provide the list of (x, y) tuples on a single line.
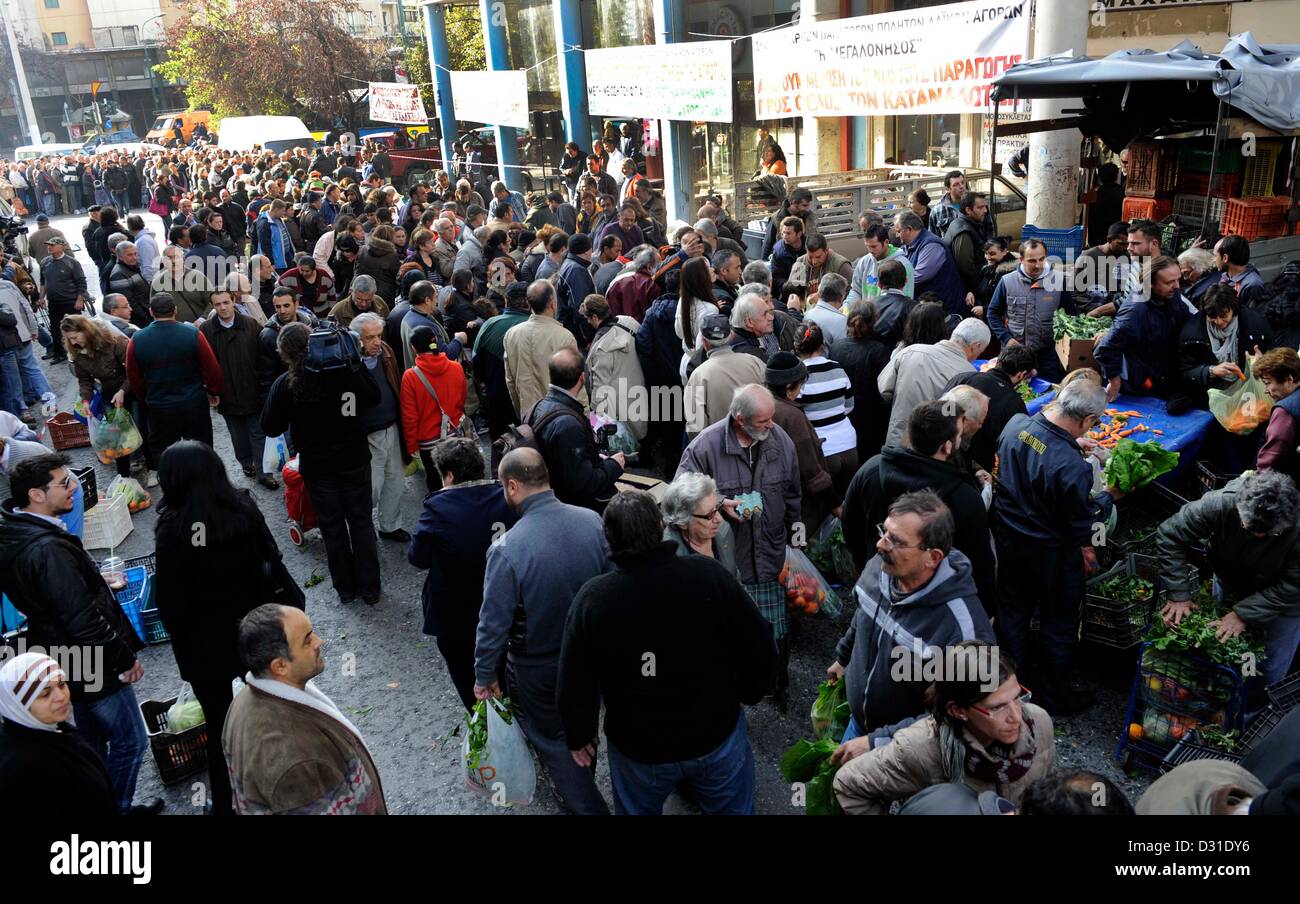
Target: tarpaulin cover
[(1131, 90)]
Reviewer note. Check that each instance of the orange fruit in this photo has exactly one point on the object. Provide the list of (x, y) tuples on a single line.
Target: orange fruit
[(1135, 731)]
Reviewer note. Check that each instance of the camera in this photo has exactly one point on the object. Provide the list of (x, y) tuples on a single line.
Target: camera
[(603, 435)]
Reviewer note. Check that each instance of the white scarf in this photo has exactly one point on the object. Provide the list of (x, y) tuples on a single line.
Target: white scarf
[(1223, 343), (311, 696), (21, 681)]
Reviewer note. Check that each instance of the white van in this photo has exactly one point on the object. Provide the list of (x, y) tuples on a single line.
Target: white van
[(272, 133), (32, 151)]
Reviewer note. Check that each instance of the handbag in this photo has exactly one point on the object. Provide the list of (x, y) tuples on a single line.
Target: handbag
[(158, 208), (448, 429)]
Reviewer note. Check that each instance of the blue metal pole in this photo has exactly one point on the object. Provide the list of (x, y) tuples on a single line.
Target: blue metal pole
[(435, 20), (498, 58), (573, 72), (676, 136)]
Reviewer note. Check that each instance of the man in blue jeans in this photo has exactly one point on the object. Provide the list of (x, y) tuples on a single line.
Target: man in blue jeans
[(24, 383), (72, 615), (674, 645)]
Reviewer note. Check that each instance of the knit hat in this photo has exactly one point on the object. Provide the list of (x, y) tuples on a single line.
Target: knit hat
[(347, 243), (580, 243), (785, 369), (715, 327), (42, 219), (516, 291)]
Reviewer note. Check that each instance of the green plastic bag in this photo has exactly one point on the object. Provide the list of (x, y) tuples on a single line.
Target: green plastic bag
[(1244, 406), (830, 711)]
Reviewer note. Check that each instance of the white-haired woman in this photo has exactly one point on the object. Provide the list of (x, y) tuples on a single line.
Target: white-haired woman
[(693, 520), (237, 284), (45, 764)]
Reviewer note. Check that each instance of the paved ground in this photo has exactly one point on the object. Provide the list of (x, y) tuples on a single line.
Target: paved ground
[(401, 699)]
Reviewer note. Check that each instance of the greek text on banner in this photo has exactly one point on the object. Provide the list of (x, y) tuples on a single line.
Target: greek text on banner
[(499, 98), (689, 81), (393, 102), (941, 59)]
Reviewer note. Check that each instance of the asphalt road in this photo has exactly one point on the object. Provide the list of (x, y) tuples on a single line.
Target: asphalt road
[(390, 679)]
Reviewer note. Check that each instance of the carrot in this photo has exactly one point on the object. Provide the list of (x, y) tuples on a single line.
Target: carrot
[(1126, 432), (1133, 414), (1160, 432)]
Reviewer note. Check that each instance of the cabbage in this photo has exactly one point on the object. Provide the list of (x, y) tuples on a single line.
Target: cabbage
[(185, 715)]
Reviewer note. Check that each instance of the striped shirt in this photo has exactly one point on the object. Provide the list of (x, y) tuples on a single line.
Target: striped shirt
[(827, 399)]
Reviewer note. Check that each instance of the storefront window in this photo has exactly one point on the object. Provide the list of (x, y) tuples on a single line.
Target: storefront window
[(927, 140), (618, 23), (530, 39)]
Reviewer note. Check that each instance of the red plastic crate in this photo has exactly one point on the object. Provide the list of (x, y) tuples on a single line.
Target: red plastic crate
[(1226, 185), (1256, 218), (66, 432), (1146, 209), (1152, 170)]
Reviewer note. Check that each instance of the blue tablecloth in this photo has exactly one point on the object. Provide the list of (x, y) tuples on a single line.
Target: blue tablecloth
[(1183, 433), (1046, 390)]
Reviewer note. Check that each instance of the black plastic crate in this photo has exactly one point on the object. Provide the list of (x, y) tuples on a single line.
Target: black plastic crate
[(177, 754), (1113, 622), (1209, 478), (1285, 694), (1189, 749), (89, 486), (1260, 728)]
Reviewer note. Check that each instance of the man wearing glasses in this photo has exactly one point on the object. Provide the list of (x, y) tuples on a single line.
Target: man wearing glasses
[(917, 594), (50, 579)]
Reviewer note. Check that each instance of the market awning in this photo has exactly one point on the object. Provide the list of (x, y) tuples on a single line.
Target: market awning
[(1135, 92)]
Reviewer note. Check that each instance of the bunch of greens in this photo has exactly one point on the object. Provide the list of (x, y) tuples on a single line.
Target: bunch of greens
[(830, 553), (1127, 587), (830, 711), (1132, 465), (476, 720), (1077, 326), (810, 762), (1194, 635), (1026, 392), (1214, 736)]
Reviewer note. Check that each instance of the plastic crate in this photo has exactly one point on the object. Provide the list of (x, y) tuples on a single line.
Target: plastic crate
[(1285, 695), (1065, 244), (133, 597), (66, 432), (154, 631), (107, 524), (1209, 478), (1260, 728), (89, 486), (1177, 236), (1187, 750), (178, 754), (1261, 170), (1192, 208), (1146, 209), (1226, 185), (1256, 218), (1197, 157), (1113, 622), (1152, 169)]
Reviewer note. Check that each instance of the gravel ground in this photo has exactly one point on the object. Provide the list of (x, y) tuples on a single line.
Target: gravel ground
[(391, 681)]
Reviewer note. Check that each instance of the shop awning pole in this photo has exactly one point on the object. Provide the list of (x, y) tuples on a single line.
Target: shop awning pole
[(1214, 162)]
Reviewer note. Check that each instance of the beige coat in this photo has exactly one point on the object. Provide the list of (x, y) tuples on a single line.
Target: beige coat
[(529, 347), (617, 381), (911, 762), (713, 384), (918, 374)]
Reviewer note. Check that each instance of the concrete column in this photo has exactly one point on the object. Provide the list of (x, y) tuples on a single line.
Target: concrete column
[(819, 145), (498, 58), (676, 138), (573, 72), (1053, 186), (20, 77), (435, 21)]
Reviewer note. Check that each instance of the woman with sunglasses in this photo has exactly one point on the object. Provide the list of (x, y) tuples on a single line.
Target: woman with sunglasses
[(989, 740), (693, 520)]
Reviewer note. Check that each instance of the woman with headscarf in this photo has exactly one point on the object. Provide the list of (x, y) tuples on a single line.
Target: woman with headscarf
[(46, 767)]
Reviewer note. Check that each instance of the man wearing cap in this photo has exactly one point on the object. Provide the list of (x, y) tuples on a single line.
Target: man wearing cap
[(712, 385), (63, 288), (361, 300), (39, 238), (312, 222), (171, 366), (573, 283)]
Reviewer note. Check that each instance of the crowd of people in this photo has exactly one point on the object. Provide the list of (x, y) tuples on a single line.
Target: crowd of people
[(520, 351)]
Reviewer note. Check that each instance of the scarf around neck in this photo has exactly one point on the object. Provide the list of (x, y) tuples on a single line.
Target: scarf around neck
[(1224, 342), (995, 764), (311, 697)]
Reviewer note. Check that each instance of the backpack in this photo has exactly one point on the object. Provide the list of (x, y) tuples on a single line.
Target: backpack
[(448, 429), (331, 348), (524, 436)]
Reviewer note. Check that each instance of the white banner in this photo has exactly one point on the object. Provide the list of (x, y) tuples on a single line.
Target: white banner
[(690, 81), (942, 59), (392, 102), (499, 98)]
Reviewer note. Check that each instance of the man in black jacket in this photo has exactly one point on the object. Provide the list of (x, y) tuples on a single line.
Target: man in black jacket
[(313, 222), (580, 474), (1015, 366), (126, 279), (269, 365), (234, 340), (662, 732), (87, 237), (933, 432), (71, 611)]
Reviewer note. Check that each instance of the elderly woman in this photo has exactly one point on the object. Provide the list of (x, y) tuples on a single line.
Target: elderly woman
[(990, 741), (238, 285), (1213, 347), (693, 520), (1199, 272), (45, 764)]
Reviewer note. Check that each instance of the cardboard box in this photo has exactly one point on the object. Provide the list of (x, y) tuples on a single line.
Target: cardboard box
[(656, 488), (1076, 353)]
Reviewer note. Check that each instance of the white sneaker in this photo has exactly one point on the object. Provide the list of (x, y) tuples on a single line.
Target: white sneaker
[(153, 480)]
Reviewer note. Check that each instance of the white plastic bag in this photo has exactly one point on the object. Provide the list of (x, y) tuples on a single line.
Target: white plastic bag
[(137, 497), (274, 454), (504, 769), (186, 712)]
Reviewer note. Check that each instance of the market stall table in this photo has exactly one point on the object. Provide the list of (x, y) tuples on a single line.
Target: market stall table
[(1181, 433), (1046, 391)]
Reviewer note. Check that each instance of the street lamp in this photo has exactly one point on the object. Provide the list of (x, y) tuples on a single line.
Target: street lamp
[(148, 61)]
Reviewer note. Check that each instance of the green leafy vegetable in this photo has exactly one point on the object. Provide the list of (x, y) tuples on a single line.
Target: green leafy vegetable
[(1077, 326), (832, 557), (810, 762), (476, 719), (1132, 464), (1026, 392), (1194, 635), (1214, 736), (830, 711), (1126, 587), (185, 715)]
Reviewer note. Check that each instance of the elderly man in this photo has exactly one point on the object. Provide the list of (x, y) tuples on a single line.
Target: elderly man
[(125, 278), (383, 426), (865, 282), (919, 372), (632, 291), (828, 311), (188, 286), (753, 320), (625, 227), (748, 453), (530, 345), (117, 313), (712, 385), (1250, 531), (1043, 514), (933, 266), (446, 247), (63, 289), (714, 241), (361, 300)]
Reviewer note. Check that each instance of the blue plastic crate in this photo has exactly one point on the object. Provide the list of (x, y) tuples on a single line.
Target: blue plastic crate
[(1066, 244), (150, 626), (134, 596)]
